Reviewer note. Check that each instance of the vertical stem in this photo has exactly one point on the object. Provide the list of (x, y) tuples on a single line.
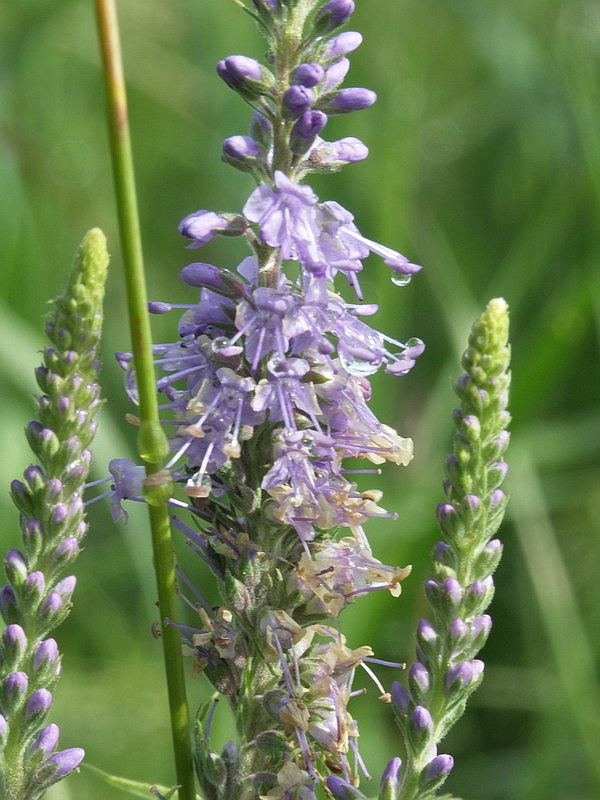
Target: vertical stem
[(151, 442)]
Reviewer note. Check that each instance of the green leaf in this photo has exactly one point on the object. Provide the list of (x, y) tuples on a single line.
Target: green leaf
[(134, 788)]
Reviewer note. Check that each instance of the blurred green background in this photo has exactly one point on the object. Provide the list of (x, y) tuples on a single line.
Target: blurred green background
[(484, 167)]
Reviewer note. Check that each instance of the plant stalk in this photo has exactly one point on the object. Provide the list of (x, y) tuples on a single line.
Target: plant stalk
[(151, 442)]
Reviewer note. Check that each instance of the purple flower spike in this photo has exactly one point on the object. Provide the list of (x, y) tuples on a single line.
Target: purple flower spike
[(66, 761), (351, 99)]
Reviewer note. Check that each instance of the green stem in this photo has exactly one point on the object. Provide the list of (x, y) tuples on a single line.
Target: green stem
[(151, 442)]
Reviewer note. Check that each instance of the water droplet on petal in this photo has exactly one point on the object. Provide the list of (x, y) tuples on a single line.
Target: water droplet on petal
[(414, 347), (220, 343), (398, 279), (222, 346), (358, 367)]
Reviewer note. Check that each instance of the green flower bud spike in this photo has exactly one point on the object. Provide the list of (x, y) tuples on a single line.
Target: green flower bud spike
[(37, 598), (462, 586)]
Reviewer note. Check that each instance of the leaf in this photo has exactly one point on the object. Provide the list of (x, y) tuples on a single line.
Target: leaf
[(134, 788)]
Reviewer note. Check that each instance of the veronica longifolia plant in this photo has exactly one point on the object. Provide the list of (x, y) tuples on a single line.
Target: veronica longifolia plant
[(265, 393)]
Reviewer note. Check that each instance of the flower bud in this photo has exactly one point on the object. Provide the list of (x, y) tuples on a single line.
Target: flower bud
[(38, 704), (347, 100), (246, 76), (14, 643), (421, 720), (450, 521), (201, 227), (436, 772), (489, 558), (65, 761), (261, 130), (306, 128), (22, 498), (33, 537), (34, 588), (332, 156), (478, 595), (296, 100), (332, 15), (335, 74), (342, 44), (16, 567), (401, 697), (66, 551), (480, 630), (46, 660), (444, 557), (419, 681), (9, 606), (12, 691), (341, 790), (464, 675), (308, 75), (427, 641), (45, 741), (242, 152), (497, 472), (390, 780)]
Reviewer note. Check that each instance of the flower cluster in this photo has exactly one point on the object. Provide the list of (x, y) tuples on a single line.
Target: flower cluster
[(267, 391), (36, 598)]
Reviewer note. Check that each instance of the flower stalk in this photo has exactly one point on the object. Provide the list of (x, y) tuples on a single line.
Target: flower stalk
[(151, 440)]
